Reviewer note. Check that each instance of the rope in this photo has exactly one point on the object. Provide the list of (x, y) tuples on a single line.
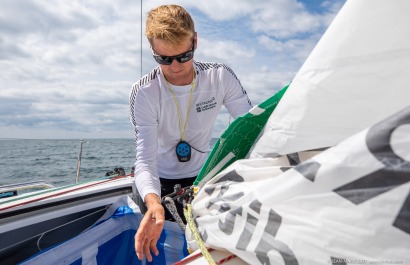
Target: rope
[(185, 197), (197, 236), (170, 204), (141, 39), (195, 232), (65, 224)]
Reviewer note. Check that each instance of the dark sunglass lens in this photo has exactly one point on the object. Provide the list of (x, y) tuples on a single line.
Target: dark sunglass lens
[(163, 60), (185, 57)]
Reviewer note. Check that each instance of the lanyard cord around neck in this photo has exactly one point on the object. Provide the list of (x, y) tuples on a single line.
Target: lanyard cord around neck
[(177, 106)]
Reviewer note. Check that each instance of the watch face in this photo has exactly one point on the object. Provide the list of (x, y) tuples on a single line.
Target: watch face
[(183, 150)]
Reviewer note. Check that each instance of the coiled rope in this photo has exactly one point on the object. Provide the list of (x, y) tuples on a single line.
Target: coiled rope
[(185, 196), (170, 204), (197, 236)]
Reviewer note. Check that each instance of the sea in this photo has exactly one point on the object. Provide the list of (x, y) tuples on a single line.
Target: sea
[(55, 160)]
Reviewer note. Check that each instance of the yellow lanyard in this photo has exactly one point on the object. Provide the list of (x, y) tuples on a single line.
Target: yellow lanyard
[(182, 133)]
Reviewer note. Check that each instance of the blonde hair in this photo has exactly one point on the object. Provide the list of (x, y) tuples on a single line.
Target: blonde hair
[(170, 23)]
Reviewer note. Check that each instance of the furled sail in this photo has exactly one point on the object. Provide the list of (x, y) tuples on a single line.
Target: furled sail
[(350, 204)]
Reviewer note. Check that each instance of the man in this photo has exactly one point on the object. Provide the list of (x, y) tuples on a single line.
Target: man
[(173, 110)]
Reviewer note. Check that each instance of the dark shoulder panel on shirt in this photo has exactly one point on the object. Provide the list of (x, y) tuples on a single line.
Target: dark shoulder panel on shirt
[(141, 83), (204, 66), (146, 79)]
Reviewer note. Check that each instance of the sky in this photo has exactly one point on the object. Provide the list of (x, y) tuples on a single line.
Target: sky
[(67, 67)]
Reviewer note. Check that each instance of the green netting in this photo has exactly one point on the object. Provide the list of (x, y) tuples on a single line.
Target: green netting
[(237, 139)]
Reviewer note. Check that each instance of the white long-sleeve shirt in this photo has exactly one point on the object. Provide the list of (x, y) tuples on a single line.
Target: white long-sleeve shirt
[(155, 119)]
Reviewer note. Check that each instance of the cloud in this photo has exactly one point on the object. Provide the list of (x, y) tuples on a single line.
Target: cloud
[(224, 50), (100, 107), (42, 16), (67, 66), (291, 50), (286, 19)]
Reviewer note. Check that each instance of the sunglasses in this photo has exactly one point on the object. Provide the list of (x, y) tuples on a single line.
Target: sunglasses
[(181, 58)]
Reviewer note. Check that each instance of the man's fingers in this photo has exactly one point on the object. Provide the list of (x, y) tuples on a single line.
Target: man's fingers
[(147, 250), (140, 240), (153, 247), (140, 236), (138, 246)]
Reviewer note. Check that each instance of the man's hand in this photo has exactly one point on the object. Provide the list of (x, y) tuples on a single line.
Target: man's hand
[(150, 228)]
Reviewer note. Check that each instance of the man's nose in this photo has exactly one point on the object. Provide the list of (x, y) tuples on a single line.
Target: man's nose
[(175, 64)]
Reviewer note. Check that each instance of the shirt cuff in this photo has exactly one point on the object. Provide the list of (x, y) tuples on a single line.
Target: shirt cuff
[(147, 183)]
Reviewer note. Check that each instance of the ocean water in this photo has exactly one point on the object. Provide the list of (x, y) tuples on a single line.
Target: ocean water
[(55, 161)]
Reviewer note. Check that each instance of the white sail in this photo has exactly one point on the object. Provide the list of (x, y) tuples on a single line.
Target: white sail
[(358, 74), (349, 204)]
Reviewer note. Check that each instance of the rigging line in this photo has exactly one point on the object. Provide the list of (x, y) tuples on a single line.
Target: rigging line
[(141, 39), (65, 224)]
